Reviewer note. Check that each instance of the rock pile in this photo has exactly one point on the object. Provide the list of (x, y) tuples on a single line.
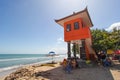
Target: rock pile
[(30, 72), (27, 73), (19, 73)]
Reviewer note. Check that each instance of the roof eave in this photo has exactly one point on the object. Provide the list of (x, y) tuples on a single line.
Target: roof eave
[(85, 10)]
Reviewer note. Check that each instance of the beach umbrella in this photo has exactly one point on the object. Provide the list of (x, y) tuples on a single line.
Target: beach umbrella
[(52, 54), (117, 52)]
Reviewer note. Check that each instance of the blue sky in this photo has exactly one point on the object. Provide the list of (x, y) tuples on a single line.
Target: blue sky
[(27, 26)]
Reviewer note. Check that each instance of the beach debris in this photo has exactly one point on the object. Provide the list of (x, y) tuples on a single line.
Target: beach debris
[(48, 64), (43, 73), (28, 73), (19, 73)]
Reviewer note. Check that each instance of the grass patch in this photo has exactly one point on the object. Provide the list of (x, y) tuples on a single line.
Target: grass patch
[(48, 64)]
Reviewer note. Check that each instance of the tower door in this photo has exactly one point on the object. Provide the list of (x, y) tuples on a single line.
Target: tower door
[(82, 50)]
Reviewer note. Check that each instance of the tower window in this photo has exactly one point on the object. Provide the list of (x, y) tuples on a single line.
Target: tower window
[(68, 27), (76, 25)]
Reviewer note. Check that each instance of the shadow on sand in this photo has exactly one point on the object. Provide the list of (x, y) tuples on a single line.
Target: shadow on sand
[(85, 73), (56, 72)]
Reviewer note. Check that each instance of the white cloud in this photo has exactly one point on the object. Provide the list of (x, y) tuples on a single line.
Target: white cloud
[(114, 25), (60, 40), (60, 46)]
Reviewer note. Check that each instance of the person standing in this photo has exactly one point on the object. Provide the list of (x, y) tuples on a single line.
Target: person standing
[(69, 67)]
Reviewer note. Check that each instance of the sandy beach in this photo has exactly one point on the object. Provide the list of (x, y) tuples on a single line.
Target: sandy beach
[(56, 72)]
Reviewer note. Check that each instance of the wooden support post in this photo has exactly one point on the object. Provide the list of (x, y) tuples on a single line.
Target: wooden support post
[(87, 52), (69, 49), (74, 50)]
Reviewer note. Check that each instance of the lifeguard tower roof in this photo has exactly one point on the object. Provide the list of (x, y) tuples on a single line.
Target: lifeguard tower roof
[(84, 15)]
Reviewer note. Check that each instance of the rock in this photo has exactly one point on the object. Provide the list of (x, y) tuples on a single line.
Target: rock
[(27, 73), (23, 73)]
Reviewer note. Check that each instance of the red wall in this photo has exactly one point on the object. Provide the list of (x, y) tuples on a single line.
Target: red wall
[(81, 33)]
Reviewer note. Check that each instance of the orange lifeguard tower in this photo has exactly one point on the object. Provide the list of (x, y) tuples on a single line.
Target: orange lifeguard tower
[(77, 31)]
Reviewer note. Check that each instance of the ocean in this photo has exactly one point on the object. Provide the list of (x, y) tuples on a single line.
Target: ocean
[(12, 61)]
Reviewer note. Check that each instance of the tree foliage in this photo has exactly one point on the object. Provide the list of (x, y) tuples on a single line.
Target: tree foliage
[(103, 40)]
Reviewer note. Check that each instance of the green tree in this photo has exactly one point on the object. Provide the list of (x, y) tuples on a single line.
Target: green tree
[(103, 40), (116, 36)]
